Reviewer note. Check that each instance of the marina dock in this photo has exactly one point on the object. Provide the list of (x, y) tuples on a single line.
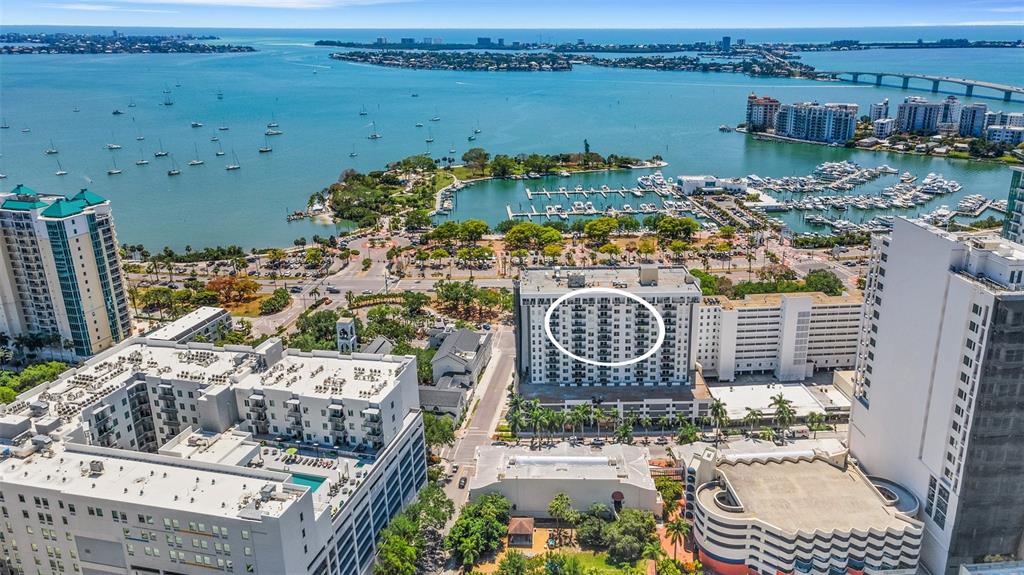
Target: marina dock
[(604, 192)]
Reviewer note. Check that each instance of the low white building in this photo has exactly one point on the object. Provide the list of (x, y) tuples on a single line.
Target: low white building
[(787, 335), (884, 127), (710, 184), (617, 476), (799, 511), (1009, 135), (206, 322)]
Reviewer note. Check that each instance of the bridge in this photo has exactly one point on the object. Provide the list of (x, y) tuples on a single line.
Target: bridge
[(1007, 90)]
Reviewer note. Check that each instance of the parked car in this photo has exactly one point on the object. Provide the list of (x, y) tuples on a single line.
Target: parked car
[(332, 289), (462, 482), (295, 289)]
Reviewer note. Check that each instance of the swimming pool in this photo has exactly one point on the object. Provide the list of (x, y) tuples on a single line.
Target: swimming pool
[(313, 482)]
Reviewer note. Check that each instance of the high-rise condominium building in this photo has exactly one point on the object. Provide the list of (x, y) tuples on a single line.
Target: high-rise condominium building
[(606, 327), (1013, 224), (879, 110), (917, 114), (164, 458), (940, 386), (814, 122), (60, 274), (972, 120), (761, 112)]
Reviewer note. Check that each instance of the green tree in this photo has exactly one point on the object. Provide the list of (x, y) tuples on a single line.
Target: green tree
[(824, 281), (719, 417), (502, 166), (600, 229), (480, 528), (473, 230), (438, 431), (560, 509), (753, 417), (476, 158), (677, 530), (629, 536), (514, 563)]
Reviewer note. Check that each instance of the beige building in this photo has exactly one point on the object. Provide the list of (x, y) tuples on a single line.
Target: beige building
[(617, 476), (61, 275)]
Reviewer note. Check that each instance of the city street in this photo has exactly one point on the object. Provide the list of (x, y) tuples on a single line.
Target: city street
[(484, 413)]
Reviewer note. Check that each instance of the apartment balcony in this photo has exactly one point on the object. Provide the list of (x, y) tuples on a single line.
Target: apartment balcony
[(371, 414), (373, 432), (258, 416), (335, 416)]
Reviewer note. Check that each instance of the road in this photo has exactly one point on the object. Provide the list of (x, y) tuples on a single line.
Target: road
[(484, 416), (350, 278)]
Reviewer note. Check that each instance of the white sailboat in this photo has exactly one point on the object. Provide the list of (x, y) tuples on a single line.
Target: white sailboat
[(374, 135), (266, 149), (196, 161), (142, 161), (60, 170), (174, 171), (160, 152), (114, 170), (51, 150), (353, 153), (233, 165)]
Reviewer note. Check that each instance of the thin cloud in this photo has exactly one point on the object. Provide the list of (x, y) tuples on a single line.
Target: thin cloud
[(1007, 9), (85, 7)]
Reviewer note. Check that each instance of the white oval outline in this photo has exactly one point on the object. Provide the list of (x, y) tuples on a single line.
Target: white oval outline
[(657, 317)]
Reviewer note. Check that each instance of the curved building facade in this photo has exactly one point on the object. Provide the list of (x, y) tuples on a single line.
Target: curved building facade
[(797, 512)]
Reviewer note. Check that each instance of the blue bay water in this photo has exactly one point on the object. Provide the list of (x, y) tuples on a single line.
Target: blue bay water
[(632, 112)]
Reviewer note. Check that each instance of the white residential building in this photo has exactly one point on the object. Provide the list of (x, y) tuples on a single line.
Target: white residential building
[(798, 511), (606, 327), (1015, 119), (879, 111), (787, 335), (917, 114), (884, 127), (972, 120), (60, 272), (1013, 224), (207, 323), (159, 457), (1009, 135), (938, 386), (610, 328), (814, 122)]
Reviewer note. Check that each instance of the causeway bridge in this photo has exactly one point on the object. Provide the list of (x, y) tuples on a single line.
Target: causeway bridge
[(1007, 90)]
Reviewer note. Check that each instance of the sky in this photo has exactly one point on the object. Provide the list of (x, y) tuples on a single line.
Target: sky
[(513, 13)]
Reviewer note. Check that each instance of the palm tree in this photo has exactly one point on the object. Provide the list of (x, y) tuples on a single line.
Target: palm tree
[(768, 434), (753, 417), (314, 294), (719, 417), (815, 421), (68, 345), (624, 432), (6, 356), (677, 530), (516, 421), (687, 433), (784, 414), (535, 416)]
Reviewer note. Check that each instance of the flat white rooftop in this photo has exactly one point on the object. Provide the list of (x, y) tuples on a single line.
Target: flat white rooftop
[(185, 323), (318, 374), (737, 398), (625, 463), (555, 279), (149, 480)]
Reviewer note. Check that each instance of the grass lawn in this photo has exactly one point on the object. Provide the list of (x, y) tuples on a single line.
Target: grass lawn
[(249, 308), (596, 561)]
